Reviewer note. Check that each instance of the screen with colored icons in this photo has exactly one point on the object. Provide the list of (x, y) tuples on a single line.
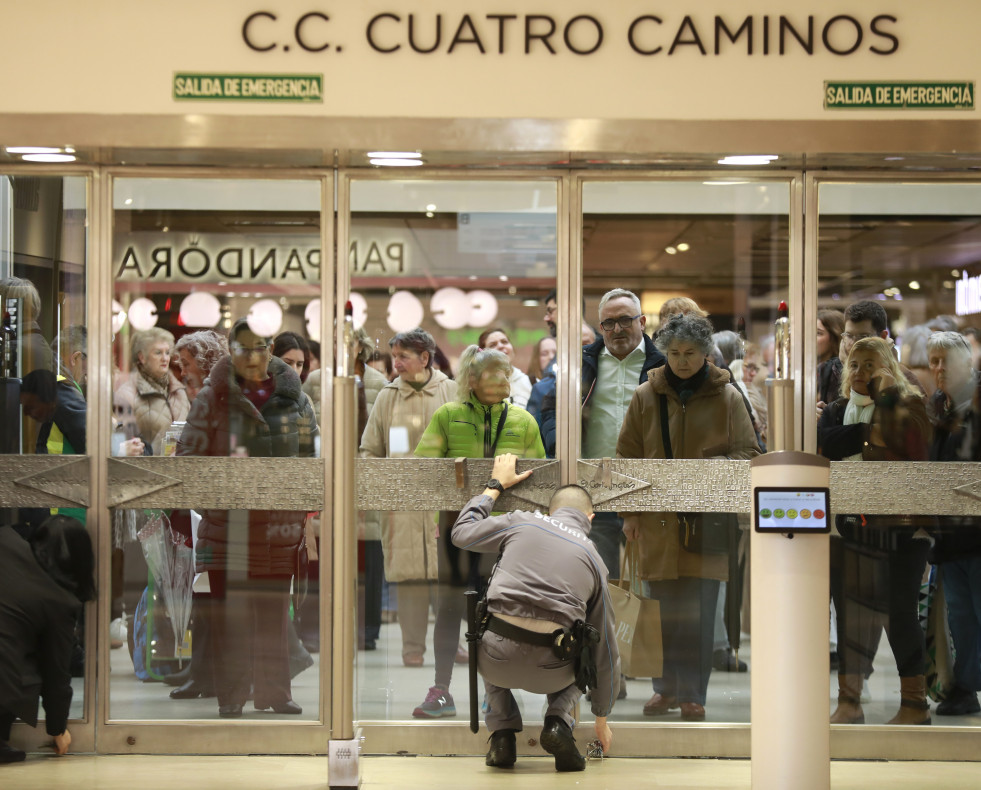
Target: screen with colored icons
[(792, 510)]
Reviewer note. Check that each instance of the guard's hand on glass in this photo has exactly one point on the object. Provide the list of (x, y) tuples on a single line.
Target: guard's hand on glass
[(504, 470)]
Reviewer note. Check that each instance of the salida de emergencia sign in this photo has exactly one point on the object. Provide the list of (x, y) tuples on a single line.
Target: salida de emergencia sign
[(249, 87), (857, 95)]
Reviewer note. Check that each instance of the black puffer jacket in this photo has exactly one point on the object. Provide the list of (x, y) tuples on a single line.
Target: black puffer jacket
[(221, 421)]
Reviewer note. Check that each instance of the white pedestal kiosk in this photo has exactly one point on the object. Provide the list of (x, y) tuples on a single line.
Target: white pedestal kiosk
[(791, 737)]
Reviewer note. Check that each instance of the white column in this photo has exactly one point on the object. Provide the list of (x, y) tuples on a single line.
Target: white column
[(791, 737)]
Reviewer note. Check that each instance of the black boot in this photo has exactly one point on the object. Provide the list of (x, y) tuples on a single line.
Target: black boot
[(8, 754), (557, 740), (503, 751)]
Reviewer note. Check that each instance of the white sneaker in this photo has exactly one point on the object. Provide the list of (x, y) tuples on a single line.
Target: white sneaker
[(117, 632)]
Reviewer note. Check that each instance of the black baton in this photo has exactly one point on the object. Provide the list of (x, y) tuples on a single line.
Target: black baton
[(472, 639)]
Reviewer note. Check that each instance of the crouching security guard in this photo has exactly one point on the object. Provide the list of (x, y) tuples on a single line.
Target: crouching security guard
[(546, 624)]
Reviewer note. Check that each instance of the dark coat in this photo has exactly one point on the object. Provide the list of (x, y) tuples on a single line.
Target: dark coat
[(906, 432), (955, 438), (222, 419), (37, 632), (590, 365)]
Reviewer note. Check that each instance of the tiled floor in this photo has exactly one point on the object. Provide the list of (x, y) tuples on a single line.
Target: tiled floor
[(439, 773)]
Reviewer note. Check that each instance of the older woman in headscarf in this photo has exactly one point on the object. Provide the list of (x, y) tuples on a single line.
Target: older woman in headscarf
[(480, 423), (152, 396), (705, 417)]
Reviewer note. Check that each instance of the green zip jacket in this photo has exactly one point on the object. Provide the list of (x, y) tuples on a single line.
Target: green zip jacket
[(469, 430)]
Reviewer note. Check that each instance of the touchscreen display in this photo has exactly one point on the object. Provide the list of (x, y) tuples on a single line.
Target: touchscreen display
[(792, 510)]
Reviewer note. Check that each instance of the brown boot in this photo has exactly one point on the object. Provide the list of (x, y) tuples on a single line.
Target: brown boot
[(849, 710), (913, 707)]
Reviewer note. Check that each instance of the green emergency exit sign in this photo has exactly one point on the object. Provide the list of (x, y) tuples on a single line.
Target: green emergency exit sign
[(899, 95), (249, 87)]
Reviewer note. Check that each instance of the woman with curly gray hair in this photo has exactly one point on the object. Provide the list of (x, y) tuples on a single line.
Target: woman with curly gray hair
[(197, 353), (691, 401)]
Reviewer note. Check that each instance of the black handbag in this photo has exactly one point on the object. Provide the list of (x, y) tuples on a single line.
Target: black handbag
[(699, 533)]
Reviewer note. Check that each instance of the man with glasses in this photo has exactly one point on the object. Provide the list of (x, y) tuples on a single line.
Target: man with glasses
[(612, 368)]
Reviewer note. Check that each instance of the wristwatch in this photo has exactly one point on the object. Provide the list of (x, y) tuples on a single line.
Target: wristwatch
[(495, 484)]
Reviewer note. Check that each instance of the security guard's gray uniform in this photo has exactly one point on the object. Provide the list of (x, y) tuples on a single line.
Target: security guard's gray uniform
[(549, 571)]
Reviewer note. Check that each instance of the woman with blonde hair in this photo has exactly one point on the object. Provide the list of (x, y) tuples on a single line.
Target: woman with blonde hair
[(880, 416)]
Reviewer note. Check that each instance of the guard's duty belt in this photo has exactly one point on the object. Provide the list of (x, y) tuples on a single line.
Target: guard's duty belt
[(518, 634)]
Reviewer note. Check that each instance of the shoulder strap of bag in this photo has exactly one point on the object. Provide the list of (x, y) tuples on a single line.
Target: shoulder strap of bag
[(665, 434)]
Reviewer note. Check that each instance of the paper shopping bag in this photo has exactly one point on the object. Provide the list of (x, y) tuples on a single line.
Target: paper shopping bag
[(638, 625)]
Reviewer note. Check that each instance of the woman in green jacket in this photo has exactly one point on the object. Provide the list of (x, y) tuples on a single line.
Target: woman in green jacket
[(479, 424)]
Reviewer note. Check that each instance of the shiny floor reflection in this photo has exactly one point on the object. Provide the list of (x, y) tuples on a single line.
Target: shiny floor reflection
[(437, 773)]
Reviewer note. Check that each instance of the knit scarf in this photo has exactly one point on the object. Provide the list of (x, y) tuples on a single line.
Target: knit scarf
[(859, 409)]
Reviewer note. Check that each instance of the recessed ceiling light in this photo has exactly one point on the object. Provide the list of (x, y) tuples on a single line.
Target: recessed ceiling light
[(431, 207), (914, 285), (684, 247), (394, 155), (31, 149), (671, 250), (748, 159), (48, 158), (393, 162)]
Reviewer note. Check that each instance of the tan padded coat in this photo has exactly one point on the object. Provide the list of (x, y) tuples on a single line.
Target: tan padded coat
[(408, 537)]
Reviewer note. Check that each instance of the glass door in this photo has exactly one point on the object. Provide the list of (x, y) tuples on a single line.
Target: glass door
[(681, 281), (438, 269), (44, 429), (215, 478), (896, 294)]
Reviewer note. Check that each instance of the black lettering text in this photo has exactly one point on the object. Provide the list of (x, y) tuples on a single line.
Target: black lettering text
[(597, 34), (632, 35), (458, 37), (182, 261), (721, 29), (877, 31), (826, 34), (162, 257), (293, 264), (130, 262), (370, 33), (412, 35), (396, 252), (695, 40), (374, 258), (502, 19), (787, 27), (233, 270), (268, 258), (298, 31), (530, 20), (247, 35)]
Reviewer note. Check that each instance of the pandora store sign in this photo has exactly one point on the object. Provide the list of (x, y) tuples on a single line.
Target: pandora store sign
[(214, 259)]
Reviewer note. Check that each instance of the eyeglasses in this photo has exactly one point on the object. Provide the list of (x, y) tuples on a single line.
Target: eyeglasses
[(623, 322), (752, 367), (240, 349), (859, 336)]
